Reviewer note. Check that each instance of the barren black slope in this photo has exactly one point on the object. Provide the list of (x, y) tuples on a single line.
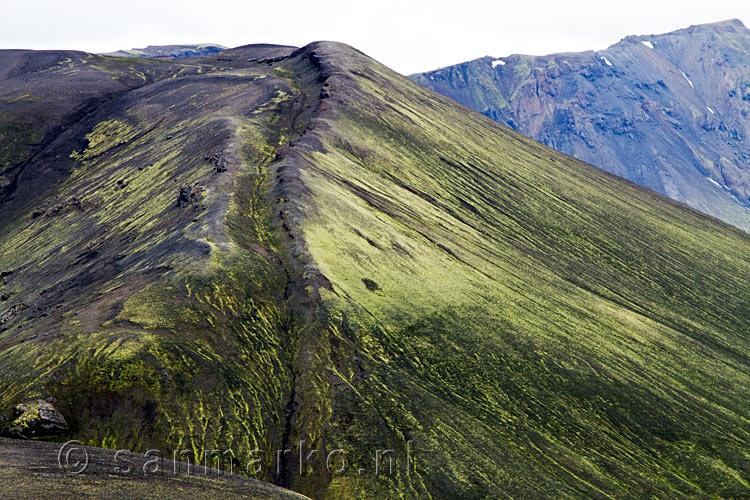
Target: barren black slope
[(30, 470), (669, 112), (310, 247)]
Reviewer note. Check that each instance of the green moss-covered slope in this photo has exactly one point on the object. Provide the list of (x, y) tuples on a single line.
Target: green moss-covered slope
[(310, 247)]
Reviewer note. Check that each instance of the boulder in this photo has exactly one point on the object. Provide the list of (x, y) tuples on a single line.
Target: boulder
[(37, 418)]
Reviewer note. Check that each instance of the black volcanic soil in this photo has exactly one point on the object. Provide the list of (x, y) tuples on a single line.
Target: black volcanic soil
[(34, 470)]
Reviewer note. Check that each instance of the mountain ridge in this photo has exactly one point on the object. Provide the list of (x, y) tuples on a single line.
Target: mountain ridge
[(311, 248)]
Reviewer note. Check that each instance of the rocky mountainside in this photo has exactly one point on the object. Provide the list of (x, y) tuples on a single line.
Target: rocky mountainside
[(298, 249), (669, 112), (176, 51)]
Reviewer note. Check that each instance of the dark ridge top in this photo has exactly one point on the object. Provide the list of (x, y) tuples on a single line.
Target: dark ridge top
[(248, 53), (273, 246), (264, 46)]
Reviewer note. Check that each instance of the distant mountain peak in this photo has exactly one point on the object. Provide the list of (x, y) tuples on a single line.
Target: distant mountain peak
[(177, 51), (719, 26), (729, 22), (668, 111)]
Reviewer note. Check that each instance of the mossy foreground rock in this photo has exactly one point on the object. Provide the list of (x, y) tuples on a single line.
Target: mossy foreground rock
[(357, 288), (36, 419)]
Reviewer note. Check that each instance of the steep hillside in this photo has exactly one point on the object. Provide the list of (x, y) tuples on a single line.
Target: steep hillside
[(669, 112), (308, 249)]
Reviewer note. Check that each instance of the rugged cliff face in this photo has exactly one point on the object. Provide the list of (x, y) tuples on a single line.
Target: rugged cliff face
[(669, 112), (275, 248), (31, 469)]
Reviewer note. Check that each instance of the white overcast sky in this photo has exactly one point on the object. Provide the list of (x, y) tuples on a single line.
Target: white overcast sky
[(407, 36)]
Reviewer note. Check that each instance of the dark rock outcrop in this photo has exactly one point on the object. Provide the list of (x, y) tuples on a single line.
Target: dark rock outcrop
[(37, 418), (190, 196)]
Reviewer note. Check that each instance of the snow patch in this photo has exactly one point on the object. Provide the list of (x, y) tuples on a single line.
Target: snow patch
[(688, 79), (606, 61), (711, 110), (648, 44), (498, 62), (713, 181)]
